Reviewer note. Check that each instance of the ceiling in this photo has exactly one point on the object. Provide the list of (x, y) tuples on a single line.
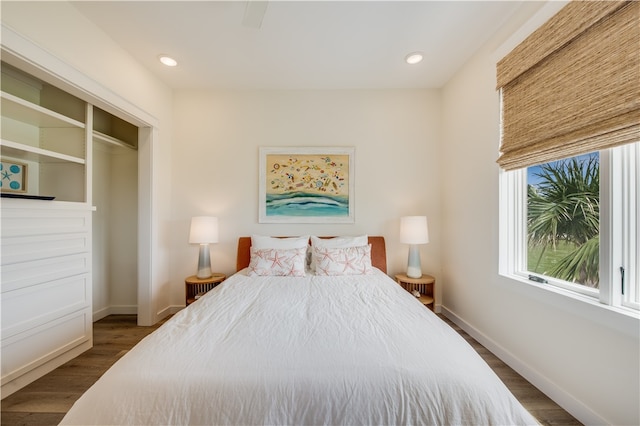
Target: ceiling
[(300, 44)]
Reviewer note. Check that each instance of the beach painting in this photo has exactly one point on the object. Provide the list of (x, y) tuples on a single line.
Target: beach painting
[(306, 185)]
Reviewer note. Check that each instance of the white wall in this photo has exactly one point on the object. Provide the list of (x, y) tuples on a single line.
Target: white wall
[(101, 270), (581, 355), (215, 160), (115, 230), (123, 222)]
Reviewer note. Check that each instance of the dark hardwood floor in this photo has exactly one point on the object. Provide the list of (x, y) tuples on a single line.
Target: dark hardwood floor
[(537, 403), (45, 401)]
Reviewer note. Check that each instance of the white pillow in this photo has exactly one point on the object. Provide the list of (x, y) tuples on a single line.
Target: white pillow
[(262, 242), (336, 242), (277, 262), (343, 261)]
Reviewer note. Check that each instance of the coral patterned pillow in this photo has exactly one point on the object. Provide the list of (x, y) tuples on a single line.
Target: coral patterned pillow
[(343, 261), (277, 262), (336, 242)]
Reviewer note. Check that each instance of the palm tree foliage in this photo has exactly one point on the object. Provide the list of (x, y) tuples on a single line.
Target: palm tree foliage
[(581, 265), (565, 206)]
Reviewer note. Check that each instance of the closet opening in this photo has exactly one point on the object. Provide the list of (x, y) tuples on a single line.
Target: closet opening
[(115, 216)]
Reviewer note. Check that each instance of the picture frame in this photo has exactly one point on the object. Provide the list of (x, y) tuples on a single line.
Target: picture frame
[(306, 185), (13, 177)]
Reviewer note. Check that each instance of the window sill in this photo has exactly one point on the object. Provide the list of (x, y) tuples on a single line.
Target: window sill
[(620, 319)]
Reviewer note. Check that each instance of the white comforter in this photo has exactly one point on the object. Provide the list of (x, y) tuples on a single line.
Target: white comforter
[(301, 351)]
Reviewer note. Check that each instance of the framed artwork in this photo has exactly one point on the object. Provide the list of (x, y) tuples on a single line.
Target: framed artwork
[(306, 185), (13, 176)]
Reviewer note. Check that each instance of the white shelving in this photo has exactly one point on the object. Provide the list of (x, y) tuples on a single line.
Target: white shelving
[(110, 140), (52, 146), (32, 153), (48, 246), (30, 113)]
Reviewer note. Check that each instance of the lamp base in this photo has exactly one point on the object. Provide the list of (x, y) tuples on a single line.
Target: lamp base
[(414, 270), (204, 262)]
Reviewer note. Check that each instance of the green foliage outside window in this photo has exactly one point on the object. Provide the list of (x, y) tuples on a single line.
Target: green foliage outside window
[(563, 216)]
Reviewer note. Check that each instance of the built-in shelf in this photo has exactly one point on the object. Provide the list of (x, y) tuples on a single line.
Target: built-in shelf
[(48, 222), (42, 129), (110, 140), (24, 111), (114, 128), (32, 153)]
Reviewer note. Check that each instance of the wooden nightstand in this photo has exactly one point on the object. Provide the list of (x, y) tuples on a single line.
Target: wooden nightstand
[(425, 285), (195, 287)]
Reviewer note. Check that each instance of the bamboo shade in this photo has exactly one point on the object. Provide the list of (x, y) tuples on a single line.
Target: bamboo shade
[(573, 86)]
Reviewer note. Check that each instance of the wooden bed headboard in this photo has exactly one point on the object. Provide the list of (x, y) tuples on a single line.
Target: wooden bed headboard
[(378, 253)]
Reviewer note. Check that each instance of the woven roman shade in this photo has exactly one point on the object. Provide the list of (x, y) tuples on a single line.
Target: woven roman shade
[(573, 86)]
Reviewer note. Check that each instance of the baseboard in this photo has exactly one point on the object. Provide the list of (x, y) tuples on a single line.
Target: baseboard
[(169, 310), (561, 397), (133, 310), (20, 382), (100, 313), (115, 310)]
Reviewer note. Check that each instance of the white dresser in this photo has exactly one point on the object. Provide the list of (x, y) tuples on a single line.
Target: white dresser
[(46, 287)]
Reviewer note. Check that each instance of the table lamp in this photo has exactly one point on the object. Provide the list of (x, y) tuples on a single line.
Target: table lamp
[(414, 231), (204, 230)]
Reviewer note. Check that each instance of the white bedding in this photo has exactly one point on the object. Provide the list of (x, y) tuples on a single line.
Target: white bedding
[(294, 351)]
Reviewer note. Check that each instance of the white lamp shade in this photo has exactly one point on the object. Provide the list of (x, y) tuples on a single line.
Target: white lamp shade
[(414, 230), (204, 230)]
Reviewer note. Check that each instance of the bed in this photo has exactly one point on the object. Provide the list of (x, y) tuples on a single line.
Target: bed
[(317, 349)]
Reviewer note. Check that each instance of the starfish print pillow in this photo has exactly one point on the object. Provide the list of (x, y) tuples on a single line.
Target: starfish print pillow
[(277, 262), (343, 261)]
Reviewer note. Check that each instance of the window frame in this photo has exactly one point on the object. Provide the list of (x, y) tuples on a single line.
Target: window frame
[(614, 166), (624, 164)]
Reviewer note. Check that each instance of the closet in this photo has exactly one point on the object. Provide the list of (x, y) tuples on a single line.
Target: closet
[(68, 221), (115, 223)]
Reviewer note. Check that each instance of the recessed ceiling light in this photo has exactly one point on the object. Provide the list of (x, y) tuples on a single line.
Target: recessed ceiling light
[(168, 60), (413, 58)]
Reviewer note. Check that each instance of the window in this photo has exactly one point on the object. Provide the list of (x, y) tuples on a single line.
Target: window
[(563, 220), (573, 224), (569, 154)]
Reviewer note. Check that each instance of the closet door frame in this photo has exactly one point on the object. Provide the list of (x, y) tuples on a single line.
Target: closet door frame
[(31, 58)]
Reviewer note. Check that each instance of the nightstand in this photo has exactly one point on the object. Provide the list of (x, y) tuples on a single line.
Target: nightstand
[(196, 287), (425, 285)]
